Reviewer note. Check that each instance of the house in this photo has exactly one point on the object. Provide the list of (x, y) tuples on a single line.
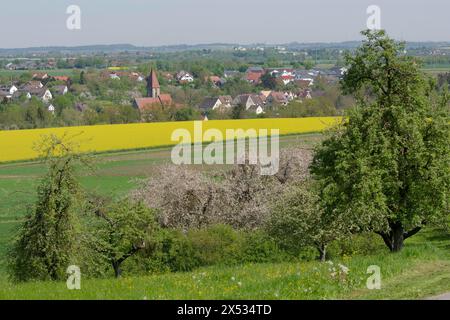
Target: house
[(338, 72), (51, 108), (264, 94), (40, 76), (305, 94), (209, 104), (9, 89), (283, 75), (253, 77), (64, 79), (10, 66), (33, 84), (60, 90), (41, 93), (216, 81), (304, 83), (278, 98), (154, 96), (254, 74), (251, 102), (255, 69), (184, 77), (221, 102)]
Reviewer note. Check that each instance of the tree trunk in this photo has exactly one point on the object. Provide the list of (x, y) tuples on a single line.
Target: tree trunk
[(395, 237), (117, 270), (322, 252)]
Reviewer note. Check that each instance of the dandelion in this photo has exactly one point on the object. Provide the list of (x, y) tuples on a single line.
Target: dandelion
[(239, 284), (233, 278)]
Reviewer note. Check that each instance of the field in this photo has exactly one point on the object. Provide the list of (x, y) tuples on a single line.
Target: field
[(51, 72), (421, 270), (115, 174), (20, 145)]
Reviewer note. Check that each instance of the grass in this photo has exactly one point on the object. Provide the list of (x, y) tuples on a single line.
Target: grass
[(115, 174), (51, 72), (422, 269)]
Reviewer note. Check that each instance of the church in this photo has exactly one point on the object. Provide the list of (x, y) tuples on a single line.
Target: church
[(154, 97)]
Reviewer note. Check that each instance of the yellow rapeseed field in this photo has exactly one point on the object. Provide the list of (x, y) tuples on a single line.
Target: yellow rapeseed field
[(20, 144)]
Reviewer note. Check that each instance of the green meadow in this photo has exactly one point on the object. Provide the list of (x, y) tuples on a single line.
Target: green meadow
[(421, 270)]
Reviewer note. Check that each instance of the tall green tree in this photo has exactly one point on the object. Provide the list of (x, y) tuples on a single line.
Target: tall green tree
[(46, 242), (387, 168)]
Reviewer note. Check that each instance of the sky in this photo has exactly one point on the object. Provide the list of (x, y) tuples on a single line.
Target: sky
[(26, 23)]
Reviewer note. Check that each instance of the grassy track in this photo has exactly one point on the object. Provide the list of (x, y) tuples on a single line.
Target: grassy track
[(422, 269)]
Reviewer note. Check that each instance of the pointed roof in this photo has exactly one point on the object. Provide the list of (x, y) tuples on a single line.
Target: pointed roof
[(153, 80)]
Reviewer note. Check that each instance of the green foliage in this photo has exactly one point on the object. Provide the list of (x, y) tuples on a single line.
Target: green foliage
[(386, 168), (46, 242), (269, 81), (120, 231), (176, 251), (297, 220)]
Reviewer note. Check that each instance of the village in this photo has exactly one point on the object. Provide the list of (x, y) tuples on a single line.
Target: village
[(257, 91)]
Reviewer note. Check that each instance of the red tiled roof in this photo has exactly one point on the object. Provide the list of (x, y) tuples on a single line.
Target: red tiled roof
[(153, 80), (61, 78), (254, 76), (148, 103)]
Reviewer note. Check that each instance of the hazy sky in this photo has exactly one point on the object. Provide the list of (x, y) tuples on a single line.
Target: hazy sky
[(25, 23)]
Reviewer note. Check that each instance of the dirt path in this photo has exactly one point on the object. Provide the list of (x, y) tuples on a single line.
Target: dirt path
[(445, 296)]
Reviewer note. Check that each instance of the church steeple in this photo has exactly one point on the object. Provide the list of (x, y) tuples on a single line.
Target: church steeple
[(153, 87)]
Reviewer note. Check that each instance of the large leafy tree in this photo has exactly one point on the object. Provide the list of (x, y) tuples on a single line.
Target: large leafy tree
[(46, 243), (120, 230), (387, 167)]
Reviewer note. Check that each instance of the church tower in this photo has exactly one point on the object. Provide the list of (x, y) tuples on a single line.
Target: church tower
[(153, 87)]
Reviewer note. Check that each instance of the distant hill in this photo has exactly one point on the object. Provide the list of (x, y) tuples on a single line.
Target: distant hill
[(114, 48)]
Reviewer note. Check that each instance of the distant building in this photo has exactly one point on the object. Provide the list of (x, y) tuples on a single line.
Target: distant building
[(65, 79), (10, 90), (251, 102), (184, 77), (40, 76), (254, 74), (60, 90), (154, 96), (216, 81), (221, 102), (278, 98), (41, 93)]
